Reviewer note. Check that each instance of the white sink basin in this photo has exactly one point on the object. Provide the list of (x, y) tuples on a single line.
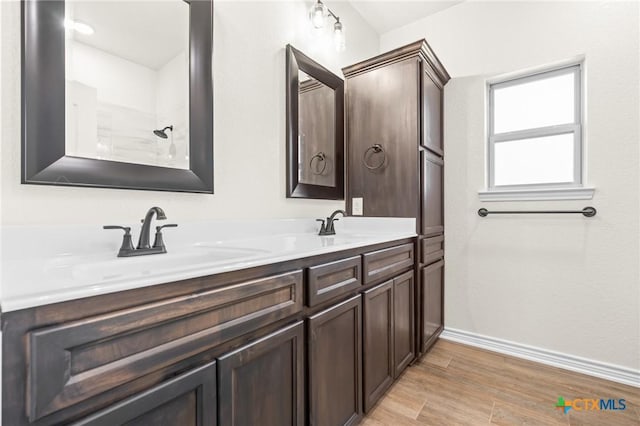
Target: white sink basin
[(104, 267), (101, 269), (290, 243)]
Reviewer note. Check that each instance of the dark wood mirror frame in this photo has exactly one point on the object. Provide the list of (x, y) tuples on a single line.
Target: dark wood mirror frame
[(298, 61), (43, 110)]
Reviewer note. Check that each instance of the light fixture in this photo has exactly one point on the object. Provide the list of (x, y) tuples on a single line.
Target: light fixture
[(338, 36), (318, 14), (80, 27)]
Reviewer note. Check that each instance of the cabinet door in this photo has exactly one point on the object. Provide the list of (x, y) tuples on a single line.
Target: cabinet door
[(431, 114), (335, 378), (403, 320), (377, 353), (188, 399), (432, 293), (262, 383), (383, 108), (432, 194)]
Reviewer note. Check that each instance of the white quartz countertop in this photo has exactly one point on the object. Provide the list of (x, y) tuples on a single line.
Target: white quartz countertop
[(44, 265)]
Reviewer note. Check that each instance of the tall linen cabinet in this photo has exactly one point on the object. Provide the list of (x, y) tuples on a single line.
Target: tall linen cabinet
[(395, 161)]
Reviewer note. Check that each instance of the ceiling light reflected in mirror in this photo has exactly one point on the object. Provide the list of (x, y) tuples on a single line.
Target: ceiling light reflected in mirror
[(80, 27)]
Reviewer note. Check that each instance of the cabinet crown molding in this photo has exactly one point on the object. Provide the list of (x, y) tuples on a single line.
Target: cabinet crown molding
[(419, 49)]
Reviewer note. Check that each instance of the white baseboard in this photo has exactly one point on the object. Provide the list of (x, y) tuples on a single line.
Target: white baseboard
[(615, 373)]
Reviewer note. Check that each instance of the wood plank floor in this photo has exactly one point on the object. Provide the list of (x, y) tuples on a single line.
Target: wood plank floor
[(456, 384)]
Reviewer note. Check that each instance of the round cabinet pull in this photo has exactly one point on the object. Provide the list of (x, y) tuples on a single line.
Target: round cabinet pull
[(321, 159), (374, 149)]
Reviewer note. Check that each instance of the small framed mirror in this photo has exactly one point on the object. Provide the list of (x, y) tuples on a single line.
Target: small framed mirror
[(315, 129), (118, 94)]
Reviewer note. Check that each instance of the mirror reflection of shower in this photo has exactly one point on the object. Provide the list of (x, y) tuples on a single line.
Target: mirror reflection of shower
[(118, 93), (163, 134)]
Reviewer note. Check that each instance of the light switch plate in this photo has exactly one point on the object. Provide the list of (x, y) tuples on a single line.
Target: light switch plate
[(356, 206)]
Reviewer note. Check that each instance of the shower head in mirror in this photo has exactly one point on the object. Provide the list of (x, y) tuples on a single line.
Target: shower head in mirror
[(163, 133)]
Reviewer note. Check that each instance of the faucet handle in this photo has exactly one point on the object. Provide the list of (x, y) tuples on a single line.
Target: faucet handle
[(322, 226), (159, 241), (127, 244), (126, 229)]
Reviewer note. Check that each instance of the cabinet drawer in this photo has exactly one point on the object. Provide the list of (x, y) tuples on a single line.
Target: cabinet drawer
[(386, 263), (75, 361), (329, 280), (432, 249)]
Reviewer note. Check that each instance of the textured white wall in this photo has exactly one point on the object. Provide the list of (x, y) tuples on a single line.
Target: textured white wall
[(567, 284), (249, 123)]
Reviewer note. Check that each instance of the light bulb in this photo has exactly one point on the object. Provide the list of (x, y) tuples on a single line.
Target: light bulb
[(317, 15), (338, 37)]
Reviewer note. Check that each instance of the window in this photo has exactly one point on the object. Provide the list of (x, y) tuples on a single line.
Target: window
[(535, 136)]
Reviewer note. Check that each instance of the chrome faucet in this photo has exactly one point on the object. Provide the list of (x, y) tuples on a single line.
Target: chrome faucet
[(127, 249), (327, 228)]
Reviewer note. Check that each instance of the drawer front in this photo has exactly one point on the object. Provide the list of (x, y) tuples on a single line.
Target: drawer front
[(386, 263), (432, 249), (75, 361), (333, 279)]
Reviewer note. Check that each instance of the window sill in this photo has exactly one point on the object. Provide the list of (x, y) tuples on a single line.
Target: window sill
[(537, 194)]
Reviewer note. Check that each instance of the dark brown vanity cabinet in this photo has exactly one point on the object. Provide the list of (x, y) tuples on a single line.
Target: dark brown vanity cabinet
[(335, 368), (262, 383), (387, 335), (279, 344), (394, 138)]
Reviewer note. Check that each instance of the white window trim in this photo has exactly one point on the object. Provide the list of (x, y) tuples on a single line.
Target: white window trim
[(582, 193), (574, 190)]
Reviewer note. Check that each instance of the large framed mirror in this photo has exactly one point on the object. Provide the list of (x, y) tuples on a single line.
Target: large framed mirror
[(315, 129), (118, 94)]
